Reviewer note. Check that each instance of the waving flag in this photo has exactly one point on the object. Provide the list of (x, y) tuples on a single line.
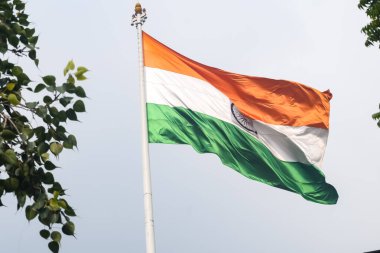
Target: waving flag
[(271, 131)]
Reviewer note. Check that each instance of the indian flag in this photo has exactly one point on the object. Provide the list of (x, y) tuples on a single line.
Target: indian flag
[(271, 131)]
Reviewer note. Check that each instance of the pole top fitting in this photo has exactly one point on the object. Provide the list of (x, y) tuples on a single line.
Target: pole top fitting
[(139, 17), (138, 8)]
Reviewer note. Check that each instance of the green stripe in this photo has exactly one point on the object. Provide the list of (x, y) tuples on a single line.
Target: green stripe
[(238, 150)]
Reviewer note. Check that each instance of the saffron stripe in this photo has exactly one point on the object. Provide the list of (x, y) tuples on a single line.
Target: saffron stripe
[(277, 102)]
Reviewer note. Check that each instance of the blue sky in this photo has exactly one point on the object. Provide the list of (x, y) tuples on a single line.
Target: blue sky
[(200, 205)]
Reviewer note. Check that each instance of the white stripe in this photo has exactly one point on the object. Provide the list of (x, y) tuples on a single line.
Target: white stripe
[(293, 144)]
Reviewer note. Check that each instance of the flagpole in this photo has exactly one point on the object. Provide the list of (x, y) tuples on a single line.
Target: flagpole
[(138, 20)]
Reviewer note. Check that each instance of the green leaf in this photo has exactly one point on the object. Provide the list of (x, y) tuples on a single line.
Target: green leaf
[(71, 138), (56, 194), (23, 79), (10, 86), (21, 198), (70, 66), (41, 111), (12, 98), (45, 157), (33, 40), (50, 88), (79, 91), (23, 19), (16, 27), (68, 228), (20, 6), (24, 40), (44, 233), (62, 116), (71, 79), (48, 178), (32, 54), (61, 89), (39, 87), (55, 217), (56, 148), (80, 73), (60, 130), (53, 246), (11, 184), (80, 77), (72, 115), (18, 172), (44, 213), (376, 116), (31, 105), (69, 87), (17, 70), (9, 156), (62, 203), (48, 119), (53, 203), (49, 165), (13, 40), (40, 202), (20, 117), (40, 133), (65, 101), (25, 170), (8, 135), (30, 213), (53, 111), (45, 217), (29, 32), (49, 80), (55, 122), (81, 70), (79, 106), (50, 134), (47, 100), (27, 132), (3, 47), (56, 187), (56, 236), (70, 212), (42, 148), (70, 142)]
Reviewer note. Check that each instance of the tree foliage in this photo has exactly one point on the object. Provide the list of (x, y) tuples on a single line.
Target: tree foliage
[(376, 116), (33, 132), (371, 30)]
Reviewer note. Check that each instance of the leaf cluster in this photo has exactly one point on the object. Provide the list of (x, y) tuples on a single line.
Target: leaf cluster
[(16, 35), (376, 116), (372, 29), (33, 132)]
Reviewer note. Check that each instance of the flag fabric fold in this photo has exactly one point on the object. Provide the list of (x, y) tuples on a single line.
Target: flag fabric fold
[(271, 131)]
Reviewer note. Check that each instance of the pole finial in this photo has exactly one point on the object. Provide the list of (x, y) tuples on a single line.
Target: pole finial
[(138, 8), (139, 17)]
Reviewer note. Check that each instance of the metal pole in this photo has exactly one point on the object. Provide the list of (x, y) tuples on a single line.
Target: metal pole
[(137, 20)]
